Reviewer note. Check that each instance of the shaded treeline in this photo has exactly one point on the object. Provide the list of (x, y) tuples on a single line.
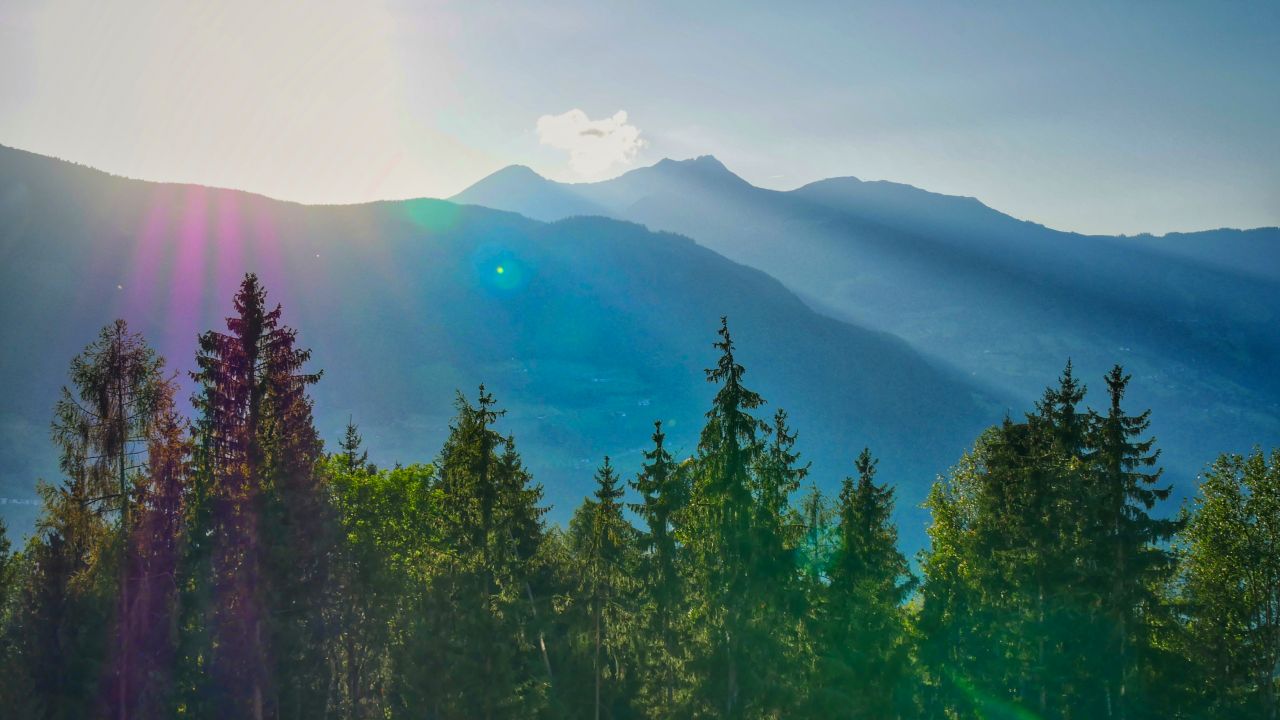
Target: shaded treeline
[(227, 567)]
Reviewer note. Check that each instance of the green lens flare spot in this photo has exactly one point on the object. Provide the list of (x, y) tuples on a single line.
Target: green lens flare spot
[(500, 270)]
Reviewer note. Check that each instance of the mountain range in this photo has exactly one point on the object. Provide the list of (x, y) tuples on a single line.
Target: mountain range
[(588, 329), (1195, 317), (876, 313)]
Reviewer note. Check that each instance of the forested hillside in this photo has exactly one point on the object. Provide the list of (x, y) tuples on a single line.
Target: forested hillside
[(221, 564), (1193, 315), (589, 329)]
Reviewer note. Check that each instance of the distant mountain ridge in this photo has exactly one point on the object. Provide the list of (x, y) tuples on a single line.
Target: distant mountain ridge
[(1195, 316), (593, 328)]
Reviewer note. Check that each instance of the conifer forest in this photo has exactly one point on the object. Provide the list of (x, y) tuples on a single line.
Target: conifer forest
[(215, 557)]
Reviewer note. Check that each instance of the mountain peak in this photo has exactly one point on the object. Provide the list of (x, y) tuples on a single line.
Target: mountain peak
[(516, 172), (520, 188), (702, 168), (701, 163)]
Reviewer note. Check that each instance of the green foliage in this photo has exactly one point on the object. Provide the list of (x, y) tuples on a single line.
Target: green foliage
[(863, 649), (719, 537), (600, 607), (263, 524), (387, 524), (474, 646), (241, 572), (1043, 583), (1231, 586), (662, 651)]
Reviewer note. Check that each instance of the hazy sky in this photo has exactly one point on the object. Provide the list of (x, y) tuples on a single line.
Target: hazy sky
[(1154, 116)]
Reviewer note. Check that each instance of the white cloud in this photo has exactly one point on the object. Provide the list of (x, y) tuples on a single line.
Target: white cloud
[(594, 146)]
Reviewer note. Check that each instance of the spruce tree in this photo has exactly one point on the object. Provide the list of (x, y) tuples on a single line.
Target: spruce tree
[(156, 542), (719, 538), (479, 652), (15, 691), (1130, 558), (1008, 579), (953, 642), (376, 511), (67, 603), (777, 530), (102, 429), (604, 589), (863, 652), (818, 544), (271, 525), (351, 449), (1055, 521), (388, 520), (663, 495)]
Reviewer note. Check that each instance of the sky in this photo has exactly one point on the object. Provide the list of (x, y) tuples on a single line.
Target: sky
[(1094, 117)]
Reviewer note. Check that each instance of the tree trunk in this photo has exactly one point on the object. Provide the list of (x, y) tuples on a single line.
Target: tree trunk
[(353, 679), (124, 553), (597, 661), (542, 638)]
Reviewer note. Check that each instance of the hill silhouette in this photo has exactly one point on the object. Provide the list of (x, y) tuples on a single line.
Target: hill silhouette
[(586, 329), (1194, 316)]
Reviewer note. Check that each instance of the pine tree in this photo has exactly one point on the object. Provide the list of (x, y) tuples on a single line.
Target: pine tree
[(778, 612), (605, 567), (663, 493), (477, 653), (818, 544), (67, 602), (1007, 580), (1054, 518), (271, 526), (156, 543), (1130, 558), (352, 450), (952, 639), (102, 430), (15, 693), (368, 507), (864, 649), (719, 538)]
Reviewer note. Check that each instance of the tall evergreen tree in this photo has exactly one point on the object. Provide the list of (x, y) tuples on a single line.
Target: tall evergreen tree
[(777, 531), (953, 642), (102, 429), (479, 653), (156, 542), (864, 650), (361, 571), (14, 691), (1008, 577), (271, 526), (720, 540), (663, 495), (351, 449), (818, 544), (67, 603), (388, 521), (605, 586), (1051, 510), (1130, 559)]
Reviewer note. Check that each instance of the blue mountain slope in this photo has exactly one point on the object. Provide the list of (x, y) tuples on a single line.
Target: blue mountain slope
[(594, 328), (1195, 317)]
